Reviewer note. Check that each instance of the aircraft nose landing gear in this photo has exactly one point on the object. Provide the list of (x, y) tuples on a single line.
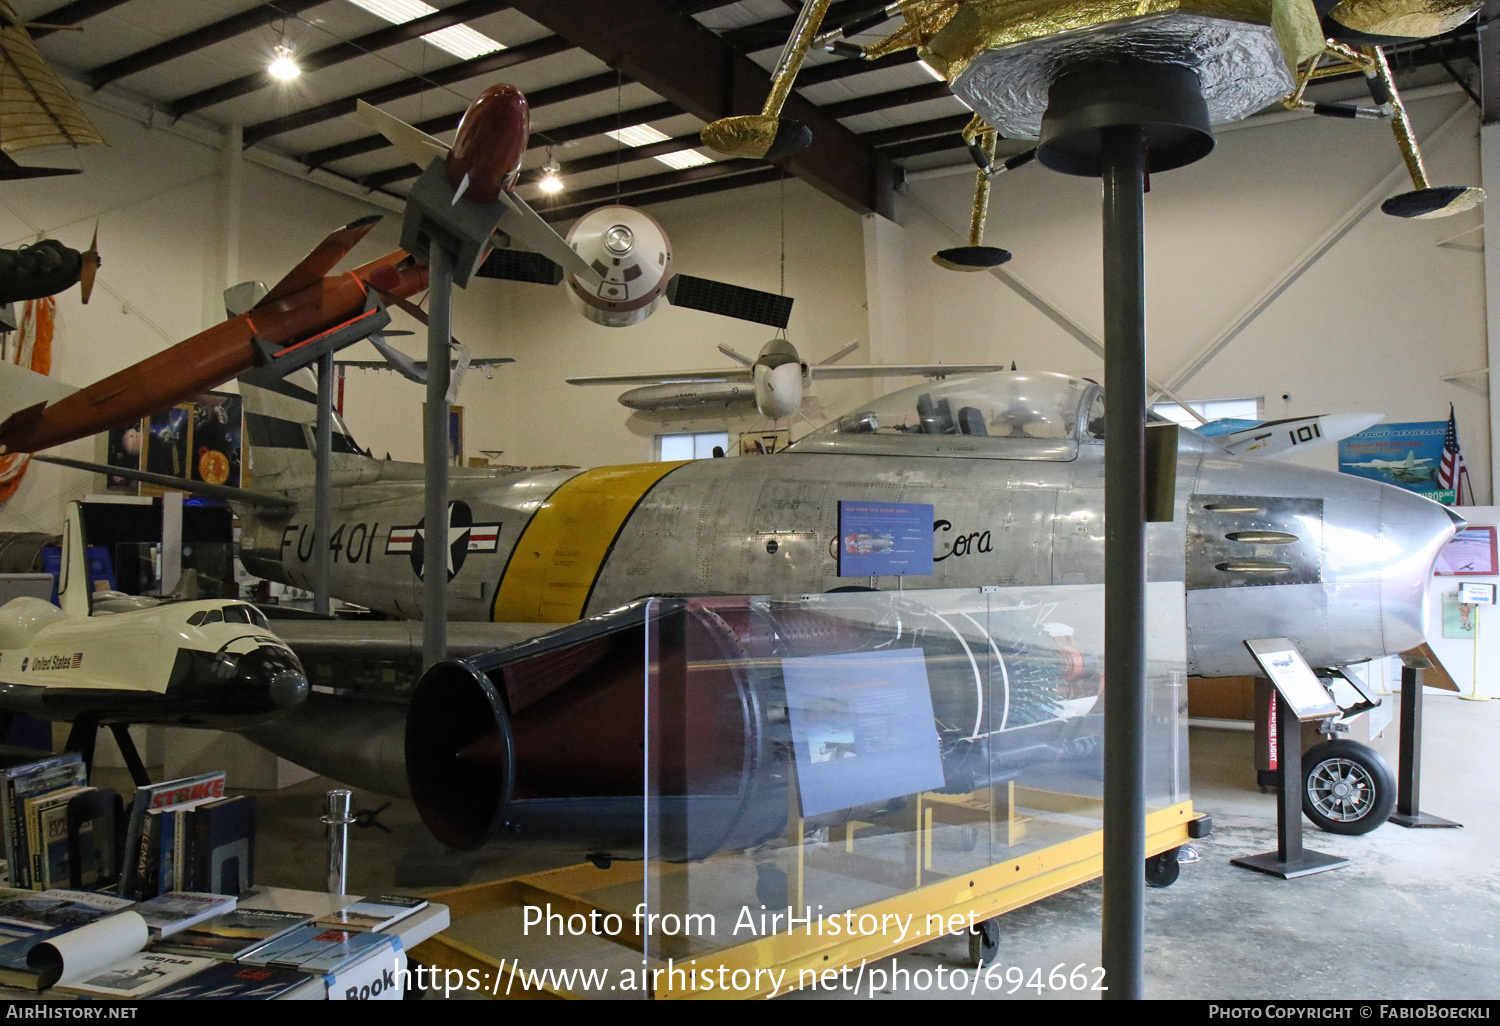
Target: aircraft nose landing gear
[(1347, 788)]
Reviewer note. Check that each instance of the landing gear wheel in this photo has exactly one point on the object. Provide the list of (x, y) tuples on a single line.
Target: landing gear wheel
[(1162, 870), (984, 943), (1347, 788)]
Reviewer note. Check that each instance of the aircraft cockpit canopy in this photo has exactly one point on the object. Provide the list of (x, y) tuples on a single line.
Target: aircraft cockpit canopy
[(236, 612), (1005, 415)]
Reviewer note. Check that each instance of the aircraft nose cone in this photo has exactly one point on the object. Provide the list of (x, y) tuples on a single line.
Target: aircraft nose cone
[(273, 677), (1413, 530), (288, 688)]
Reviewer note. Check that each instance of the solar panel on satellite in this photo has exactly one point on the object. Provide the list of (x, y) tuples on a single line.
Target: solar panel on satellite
[(729, 300), (520, 265)]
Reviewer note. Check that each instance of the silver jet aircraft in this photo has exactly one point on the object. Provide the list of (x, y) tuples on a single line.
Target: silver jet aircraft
[(1012, 464)]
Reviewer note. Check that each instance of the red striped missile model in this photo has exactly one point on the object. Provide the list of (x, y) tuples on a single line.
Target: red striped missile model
[(210, 663), (618, 281)]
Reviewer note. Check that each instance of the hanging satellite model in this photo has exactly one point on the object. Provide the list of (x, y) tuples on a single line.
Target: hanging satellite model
[(616, 260), (1003, 60)]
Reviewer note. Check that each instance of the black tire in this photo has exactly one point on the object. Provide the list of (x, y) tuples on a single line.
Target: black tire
[(1162, 870), (1347, 788), (984, 943)]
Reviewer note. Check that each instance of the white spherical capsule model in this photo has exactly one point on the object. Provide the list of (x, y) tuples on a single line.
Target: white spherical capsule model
[(631, 252)]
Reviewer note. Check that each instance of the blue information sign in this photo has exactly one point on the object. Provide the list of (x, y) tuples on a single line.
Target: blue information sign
[(885, 539)]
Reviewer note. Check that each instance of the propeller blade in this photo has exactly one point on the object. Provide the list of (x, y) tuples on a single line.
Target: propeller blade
[(729, 300), (835, 357), (520, 265), (739, 358), (91, 264)]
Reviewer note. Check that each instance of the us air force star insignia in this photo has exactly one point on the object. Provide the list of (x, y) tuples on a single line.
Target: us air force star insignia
[(463, 536)]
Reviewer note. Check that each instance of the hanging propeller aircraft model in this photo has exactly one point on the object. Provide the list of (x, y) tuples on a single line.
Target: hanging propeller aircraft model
[(47, 267), (777, 380)]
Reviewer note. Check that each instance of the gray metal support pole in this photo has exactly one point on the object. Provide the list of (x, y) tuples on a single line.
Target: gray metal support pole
[(323, 486), (337, 820), (435, 423), (1124, 561)]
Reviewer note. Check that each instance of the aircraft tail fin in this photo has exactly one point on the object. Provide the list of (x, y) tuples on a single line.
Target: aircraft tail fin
[(322, 259), (73, 578), (281, 416)]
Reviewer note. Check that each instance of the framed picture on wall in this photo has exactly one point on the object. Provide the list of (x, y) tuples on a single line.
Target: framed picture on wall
[(1471, 553)]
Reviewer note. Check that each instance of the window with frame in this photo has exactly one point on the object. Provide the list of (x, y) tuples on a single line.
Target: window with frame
[(691, 445)]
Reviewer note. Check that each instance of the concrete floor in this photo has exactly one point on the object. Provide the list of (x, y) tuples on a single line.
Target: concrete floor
[(1416, 915)]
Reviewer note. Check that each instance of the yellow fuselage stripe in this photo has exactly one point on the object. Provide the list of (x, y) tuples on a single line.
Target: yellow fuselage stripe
[(563, 548)]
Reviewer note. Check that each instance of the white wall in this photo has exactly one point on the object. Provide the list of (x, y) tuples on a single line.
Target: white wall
[(1371, 326), (1479, 657)]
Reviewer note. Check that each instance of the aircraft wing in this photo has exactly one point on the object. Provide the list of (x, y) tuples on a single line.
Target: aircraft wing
[(265, 500), (924, 370), (669, 378), (416, 144), (321, 260), (23, 390)]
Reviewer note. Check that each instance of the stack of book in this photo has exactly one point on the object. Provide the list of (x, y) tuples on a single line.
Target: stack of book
[(58, 831), (192, 945), (185, 835)]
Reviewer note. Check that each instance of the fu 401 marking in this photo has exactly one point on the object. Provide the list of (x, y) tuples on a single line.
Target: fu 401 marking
[(355, 547)]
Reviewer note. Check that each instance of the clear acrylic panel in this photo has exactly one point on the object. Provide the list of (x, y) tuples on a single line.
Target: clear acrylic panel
[(817, 765)]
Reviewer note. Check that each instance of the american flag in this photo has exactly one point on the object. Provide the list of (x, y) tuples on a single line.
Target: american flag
[(1451, 472)]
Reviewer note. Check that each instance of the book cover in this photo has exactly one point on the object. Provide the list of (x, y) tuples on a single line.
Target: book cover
[(139, 975), (204, 787), (315, 949), (233, 934), (234, 981), (374, 913), (35, 807), (57, 908), (168, 913), (22, 782), (56, 864), (8, 782), (221, 855)]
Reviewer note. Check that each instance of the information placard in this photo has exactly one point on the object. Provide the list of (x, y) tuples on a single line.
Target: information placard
[(885, 539), (862, 728), (1293, 678)]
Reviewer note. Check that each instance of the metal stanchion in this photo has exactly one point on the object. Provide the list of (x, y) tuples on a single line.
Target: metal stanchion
[(337, 820)]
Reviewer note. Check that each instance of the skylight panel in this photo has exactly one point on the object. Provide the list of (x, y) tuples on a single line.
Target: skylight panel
[(459, 40)]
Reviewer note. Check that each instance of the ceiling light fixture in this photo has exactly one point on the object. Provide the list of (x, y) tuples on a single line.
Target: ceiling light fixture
[(284, 63), (551, 180)]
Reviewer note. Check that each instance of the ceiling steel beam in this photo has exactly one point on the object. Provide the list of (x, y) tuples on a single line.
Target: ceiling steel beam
[(763, 35), (448, 122), (851, 66), (554, 137), (1489, 63), (917, 147), (920, 130), (191, 42), (370, 42), (623, 155), (462, 71), (677, 58), (72, 14), (884, 101), (583, 200)]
